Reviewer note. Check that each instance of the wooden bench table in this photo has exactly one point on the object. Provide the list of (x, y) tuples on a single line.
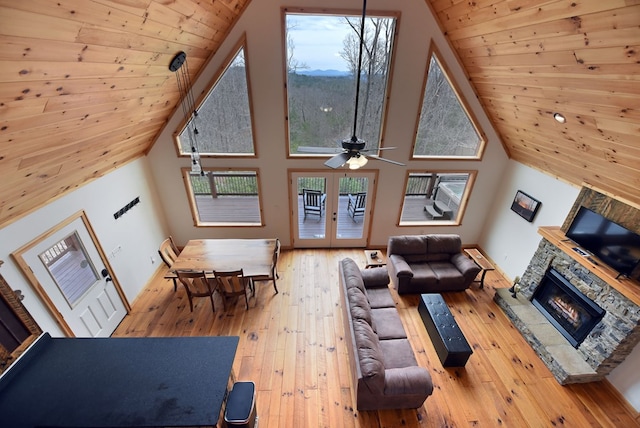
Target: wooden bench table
[(482, 262)]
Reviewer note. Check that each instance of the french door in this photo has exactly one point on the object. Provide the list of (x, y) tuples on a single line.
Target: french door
[(69, 271), (331, 209)]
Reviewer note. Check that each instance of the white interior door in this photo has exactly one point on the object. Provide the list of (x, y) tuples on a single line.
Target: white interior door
[(67, 267), (336, 223)]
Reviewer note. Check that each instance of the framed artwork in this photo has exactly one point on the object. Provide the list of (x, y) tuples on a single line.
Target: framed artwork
[(525, 205)]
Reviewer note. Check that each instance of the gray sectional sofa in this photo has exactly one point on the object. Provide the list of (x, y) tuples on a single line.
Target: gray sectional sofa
[(429, 264), (385, 374)]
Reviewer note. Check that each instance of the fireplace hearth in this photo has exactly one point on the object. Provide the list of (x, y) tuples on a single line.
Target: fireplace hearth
[(566, 308)]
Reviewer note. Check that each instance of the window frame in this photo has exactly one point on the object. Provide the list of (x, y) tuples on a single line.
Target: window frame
[(464, 199), (240, 45), (195, 214), (389, 78), (435, 53), (12, 300)]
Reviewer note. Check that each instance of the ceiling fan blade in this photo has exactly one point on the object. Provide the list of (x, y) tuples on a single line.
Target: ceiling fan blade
[(319, 150), (379, 148), (385, 160), (338, 160)]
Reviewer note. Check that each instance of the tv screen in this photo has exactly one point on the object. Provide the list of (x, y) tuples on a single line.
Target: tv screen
[(615, 245)]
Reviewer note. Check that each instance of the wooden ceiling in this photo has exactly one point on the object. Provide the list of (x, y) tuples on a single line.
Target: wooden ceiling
[(84, 86), (529, 59)]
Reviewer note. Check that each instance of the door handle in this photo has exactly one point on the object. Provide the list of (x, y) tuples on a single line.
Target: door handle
[(105, 275)]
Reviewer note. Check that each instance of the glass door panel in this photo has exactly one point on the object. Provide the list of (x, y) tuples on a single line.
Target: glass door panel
[(331, 209)]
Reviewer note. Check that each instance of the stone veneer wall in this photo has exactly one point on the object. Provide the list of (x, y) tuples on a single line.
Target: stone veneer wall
[(616, 334)]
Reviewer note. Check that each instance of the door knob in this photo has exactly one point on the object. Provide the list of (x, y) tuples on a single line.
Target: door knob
[(105, 275)]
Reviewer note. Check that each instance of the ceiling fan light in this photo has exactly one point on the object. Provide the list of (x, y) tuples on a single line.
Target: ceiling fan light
[(356, 162)]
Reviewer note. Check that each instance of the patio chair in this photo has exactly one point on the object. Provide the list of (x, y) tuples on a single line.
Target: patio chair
[(357, 204), (313, 201)]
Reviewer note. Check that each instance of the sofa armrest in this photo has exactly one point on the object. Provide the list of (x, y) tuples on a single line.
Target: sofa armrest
[(375, 277), (465, 265), (400, 266), (408, 380)]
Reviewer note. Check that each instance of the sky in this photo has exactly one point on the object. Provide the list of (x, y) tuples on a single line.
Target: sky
[(318, 41)]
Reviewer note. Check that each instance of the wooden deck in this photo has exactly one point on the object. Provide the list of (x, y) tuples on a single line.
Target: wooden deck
[(246, 209), (292, 345)]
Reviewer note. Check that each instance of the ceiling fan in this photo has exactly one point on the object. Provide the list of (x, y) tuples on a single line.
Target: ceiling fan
[(353, 148)]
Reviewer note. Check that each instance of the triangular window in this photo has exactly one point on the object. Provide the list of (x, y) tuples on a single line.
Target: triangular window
[(224, 119), (446, 128)]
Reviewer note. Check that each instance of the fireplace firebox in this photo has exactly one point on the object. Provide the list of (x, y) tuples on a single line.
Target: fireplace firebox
[(570, 311)]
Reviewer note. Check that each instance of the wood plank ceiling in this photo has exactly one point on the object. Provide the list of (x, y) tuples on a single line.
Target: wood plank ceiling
[(84, 84), (529, 59)]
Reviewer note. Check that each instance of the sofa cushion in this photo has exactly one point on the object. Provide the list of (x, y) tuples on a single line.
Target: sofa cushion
[(380, 298), (369, 355), (352, 274), (443, 243), (359, 305), (397, 353), (387, 324), (407, 244), (423, 274), (416, 258), (449, 277)]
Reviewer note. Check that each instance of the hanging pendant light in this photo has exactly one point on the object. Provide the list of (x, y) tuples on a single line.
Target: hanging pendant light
[(179, 66)]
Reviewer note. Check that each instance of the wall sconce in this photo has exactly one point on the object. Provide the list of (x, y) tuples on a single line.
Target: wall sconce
[(559, 117), (179, 66)]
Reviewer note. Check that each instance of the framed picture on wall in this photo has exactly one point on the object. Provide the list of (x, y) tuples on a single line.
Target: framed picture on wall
[(525, 205)]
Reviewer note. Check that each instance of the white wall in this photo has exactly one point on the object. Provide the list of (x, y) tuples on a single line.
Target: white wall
[(139, 232), (261, 23), (508, 239), (511, 241)]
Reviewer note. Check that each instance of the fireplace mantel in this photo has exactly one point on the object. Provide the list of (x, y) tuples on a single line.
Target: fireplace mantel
[(626, 286)]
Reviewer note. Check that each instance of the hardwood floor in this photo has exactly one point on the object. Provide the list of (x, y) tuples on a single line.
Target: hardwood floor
[(292, 346)]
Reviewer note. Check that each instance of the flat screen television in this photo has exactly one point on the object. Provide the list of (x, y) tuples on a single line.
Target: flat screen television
[(613, 244)]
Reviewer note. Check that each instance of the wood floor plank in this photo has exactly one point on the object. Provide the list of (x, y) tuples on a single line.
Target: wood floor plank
[(292, 345)]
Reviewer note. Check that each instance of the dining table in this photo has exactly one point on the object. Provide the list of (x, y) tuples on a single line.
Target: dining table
[(253, 256)]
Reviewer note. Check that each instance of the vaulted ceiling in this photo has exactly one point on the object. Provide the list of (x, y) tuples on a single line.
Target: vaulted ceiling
[(84, 86)]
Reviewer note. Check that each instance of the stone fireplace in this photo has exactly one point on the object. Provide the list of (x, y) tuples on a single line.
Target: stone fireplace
[(572, 313), (617, 327)]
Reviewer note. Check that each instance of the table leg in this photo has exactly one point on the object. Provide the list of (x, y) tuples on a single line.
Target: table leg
[(484, 272)]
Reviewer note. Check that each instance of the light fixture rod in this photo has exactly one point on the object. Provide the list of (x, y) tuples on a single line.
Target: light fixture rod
[(354, 138)]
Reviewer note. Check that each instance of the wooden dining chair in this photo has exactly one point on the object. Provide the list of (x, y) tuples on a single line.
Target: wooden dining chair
[(169, 253), (274, 269), (196, 284), (232, 283)]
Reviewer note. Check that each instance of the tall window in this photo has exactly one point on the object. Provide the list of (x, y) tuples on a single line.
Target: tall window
[(224, 119), (435, 197), (445, 128), (224, 197), (322, 53)]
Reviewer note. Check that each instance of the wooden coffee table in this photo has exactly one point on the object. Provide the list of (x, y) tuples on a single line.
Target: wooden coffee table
[(484, 264), (375, 261)]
